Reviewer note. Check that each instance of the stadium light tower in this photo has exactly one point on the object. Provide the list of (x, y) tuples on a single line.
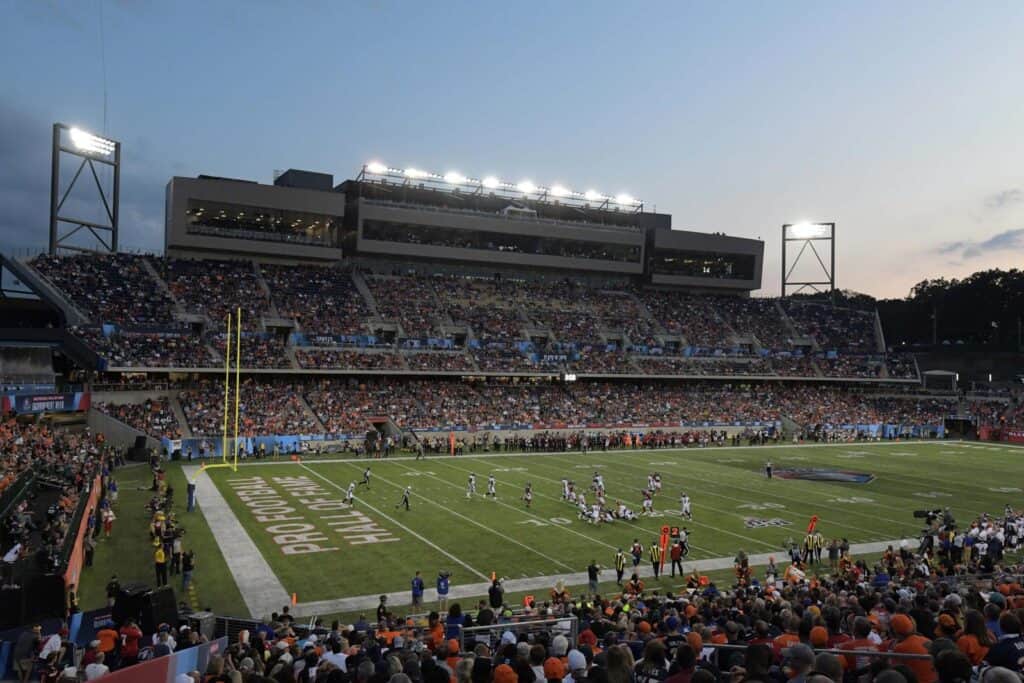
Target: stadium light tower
[(91, 150), (809, 233)]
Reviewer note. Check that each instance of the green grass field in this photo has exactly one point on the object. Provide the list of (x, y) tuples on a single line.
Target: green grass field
[(321, 550)]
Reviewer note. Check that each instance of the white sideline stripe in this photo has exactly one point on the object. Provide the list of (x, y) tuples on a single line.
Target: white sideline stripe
[(394, 521), (401, 598), (637, 451), (261, 590)]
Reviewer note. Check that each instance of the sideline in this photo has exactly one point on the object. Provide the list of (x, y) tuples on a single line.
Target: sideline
[(402, 598), (261, 590)]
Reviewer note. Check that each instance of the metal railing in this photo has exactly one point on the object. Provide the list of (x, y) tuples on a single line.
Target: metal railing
[(833, 651), (567, 626)]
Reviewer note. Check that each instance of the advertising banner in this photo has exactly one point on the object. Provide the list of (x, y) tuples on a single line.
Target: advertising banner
[(45, 403)]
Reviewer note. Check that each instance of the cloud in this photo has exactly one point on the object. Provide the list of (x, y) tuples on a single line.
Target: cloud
[(25, 187), (1008, 240), (1001, 200)]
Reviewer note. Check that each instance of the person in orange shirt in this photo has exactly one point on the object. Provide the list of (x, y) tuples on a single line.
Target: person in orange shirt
[(909, 641), (435, 630), (108, 641), (975, 640), (452, 654), (789, 638), (861, 642)]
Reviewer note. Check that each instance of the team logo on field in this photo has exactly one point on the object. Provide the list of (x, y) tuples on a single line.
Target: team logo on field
[(821, 474), (760, 523)]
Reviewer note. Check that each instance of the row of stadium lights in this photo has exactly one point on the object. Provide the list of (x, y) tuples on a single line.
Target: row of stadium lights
[(492, 183)]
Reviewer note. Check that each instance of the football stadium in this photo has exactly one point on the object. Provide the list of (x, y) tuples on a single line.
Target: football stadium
[(403, 424)]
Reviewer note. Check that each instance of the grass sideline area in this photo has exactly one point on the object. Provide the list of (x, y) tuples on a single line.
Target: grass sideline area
[(734, 507), (129, 554)]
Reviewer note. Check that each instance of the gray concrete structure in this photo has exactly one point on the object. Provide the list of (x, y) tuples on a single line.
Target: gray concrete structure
[(670, 242), (408, 223), (458, 220), (179, 240)]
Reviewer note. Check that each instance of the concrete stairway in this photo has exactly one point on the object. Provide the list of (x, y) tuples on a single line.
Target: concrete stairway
[(162, 284), (271, 310), (179, 414), (312, 413), (360, 282)]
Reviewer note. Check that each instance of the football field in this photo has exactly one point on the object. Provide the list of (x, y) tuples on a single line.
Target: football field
[(284, 527)]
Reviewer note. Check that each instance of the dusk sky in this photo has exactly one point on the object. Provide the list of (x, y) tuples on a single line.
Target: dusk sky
[(903, 122)]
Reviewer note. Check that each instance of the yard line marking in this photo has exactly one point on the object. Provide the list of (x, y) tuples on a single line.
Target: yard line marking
[(543, 495), (394, 521), (740, 482), (627, 523), (475, 523), (717, 529), (739, 500), (530, 514)]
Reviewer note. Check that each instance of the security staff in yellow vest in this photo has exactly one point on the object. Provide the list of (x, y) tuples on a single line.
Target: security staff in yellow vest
[(620, 566), (656, 555)]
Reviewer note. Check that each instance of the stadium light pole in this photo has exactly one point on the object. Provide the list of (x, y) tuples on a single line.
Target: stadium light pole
[(91, 150), (808, 234)]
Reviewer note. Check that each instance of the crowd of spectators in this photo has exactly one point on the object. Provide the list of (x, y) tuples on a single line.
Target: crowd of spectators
[(794, 366), (62, 461), (868, 367), (323, 300), (599, 361), (215, 288), (834, 328), (682, 365), (326, 303), (689, 316), (410, 301), (109, 288), (901, 366), (327, 359), (153, 416), (148, 349), (813, 406), (258, 351), (441, 361), (754, 316), (265, 408), (344, 405)]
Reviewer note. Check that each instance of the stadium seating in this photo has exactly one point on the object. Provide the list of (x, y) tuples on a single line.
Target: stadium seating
[(153, 417), (113, 288), (485, 324), (346, 406), (324, 301), (265, 408)]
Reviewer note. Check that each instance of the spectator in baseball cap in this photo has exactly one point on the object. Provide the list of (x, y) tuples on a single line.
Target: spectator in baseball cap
[(910, 642)]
